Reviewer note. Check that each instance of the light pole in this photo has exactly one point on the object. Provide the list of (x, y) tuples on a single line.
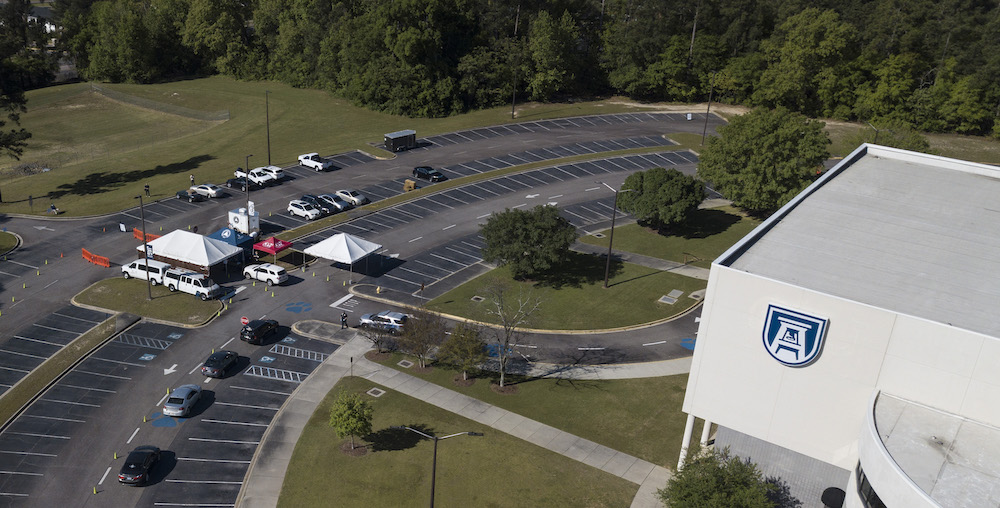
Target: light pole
[(711, 90), (145, 248), (611, 238), (246, 183), (267, 122), (436, 439), (874, 142)]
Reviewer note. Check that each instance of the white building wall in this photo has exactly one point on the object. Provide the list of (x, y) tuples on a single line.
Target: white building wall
[(819, 409)]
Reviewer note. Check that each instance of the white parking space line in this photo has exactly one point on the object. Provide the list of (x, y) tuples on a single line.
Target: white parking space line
[(400, 279), (226, 422), (520, 205), (55, 329), (70, 420), (105, 477), (119, 362), (20, 473), (130, 438), (220, 461), (484, 215), (226, 441), (224, 344), (204, 482), (112, 376), (504, 186), (463, 253), (10, 274), (160, 403), (196, 367), (33, 454), (400, 210), (89, 388), (446, 228), (248, 406), (22, 264), (12, 494), (657, 343), (51, 283), (414, 272), (415, 239), (76, 318), (440, 204), (39, 341), (23, 354), (260, 390), (447, 259), (30, 434), (590, 349), (371, 219), (584, 219), (556, 196), (535, 179)]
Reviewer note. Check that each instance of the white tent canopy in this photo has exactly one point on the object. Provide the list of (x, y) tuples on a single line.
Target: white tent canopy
[(192, 248), (343, 248)]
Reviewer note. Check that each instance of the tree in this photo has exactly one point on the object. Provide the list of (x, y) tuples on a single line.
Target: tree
[(464, 349), (423, 332), (24, 64), (511, 312), (764, 158), (528, 242), (661, 198), (379, 337), (551, 46), (351, 415), (715, 479)]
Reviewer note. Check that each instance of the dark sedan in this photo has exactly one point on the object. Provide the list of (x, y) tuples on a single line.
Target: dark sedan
[(320, 204), (218, 363), (428, 173), (138, 464), (241, 184), (189, 196)]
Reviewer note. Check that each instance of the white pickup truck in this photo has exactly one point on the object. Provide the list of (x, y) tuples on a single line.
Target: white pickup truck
[(258, 176), (314, 161)]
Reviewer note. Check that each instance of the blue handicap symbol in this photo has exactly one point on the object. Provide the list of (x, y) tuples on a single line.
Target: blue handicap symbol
[(493, 350), (175, 336), (161, 420), (688, 343), (266, 359), (297, 307), (288, 340), (147, 357)]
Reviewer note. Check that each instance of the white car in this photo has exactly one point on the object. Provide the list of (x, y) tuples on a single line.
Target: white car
[(207, 190), (181, 400), (266, 272), (390, 321), (334, 202), (303, 209), (314, 161), (257, 176), (274, 171), (352, 196)]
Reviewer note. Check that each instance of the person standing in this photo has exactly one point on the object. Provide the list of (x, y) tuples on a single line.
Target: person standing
[(343, 320), (147, 190), (192, 180)]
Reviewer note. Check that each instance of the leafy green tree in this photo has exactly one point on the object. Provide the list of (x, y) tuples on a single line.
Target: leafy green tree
[(715, 479), (423, 332), (527, 242), (661, 198), (23, 65), (764, 158), (351, 415), (552, 45), (884, 98), (214, 30), (464, 349)]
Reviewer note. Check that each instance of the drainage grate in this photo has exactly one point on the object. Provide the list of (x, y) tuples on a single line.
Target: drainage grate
[(295, 352), (375, 392), (138, 340), (280, 375), (405, 364), (675, 293), (477, 299), (667, 300)]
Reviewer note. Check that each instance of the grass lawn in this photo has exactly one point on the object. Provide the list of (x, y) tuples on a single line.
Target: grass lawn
[(129, 295), (641, 417), (495, 470), (710, 232), (102, 152), (7, 242), (576, 299)]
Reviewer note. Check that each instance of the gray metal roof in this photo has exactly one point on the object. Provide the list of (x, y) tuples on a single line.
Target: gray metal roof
[(907, 232)]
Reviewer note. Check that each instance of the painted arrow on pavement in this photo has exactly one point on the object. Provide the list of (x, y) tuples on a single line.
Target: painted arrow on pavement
[(171, 370), (43, 228)]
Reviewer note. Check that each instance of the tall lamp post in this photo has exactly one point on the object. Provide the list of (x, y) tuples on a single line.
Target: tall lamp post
[(145, 248), (267, 122), (247, 184), (611, 238), (436, 439)]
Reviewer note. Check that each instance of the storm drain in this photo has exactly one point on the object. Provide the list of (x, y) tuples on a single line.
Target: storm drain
[(295, 352), (375, 392), (279, 374), (405, 364), (138, 340)]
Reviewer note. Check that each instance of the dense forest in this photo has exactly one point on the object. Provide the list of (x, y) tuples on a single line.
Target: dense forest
[(933, 65)]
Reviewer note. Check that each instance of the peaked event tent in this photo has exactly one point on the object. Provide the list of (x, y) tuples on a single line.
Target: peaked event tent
[(272, 246), (343, 248), (191, 250)]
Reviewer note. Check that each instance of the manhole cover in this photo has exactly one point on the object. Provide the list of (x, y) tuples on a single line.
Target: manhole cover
[(477, 299), (598, 235), (375, 392), (405, 364)]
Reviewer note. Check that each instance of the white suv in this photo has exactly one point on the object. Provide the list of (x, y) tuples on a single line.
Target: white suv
[(266, 272), (257, 176), (314, 161), (303, 209), (387, 320), (274, 171)]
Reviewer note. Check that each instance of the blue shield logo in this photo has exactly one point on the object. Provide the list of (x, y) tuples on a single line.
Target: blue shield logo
[(791, 337)]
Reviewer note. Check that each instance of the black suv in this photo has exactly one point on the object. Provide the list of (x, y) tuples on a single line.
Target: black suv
[(322, 206), (241, 184), (257, 330), (428, 173)]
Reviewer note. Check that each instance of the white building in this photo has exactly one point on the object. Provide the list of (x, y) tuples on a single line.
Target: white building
[(856, 336)]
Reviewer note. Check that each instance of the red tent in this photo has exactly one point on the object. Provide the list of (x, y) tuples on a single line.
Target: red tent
[(272, 246)]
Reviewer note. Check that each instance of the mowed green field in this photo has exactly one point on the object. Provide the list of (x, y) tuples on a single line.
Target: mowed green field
[(101, 152)]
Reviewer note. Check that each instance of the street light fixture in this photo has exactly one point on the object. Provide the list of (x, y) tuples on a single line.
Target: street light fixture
[(267, 121), (436, 439), (145, 249), (246, 184), (611, 238)]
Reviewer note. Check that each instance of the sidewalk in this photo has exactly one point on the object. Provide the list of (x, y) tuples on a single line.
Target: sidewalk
[(647, 261), (264, 478)]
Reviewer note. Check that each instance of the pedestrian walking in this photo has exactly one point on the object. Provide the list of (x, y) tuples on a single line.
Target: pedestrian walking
[(147, 190), (343, 320), (192, 180)]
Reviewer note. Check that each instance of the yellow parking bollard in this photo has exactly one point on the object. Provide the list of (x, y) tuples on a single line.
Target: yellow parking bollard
[(116, 455), (272, 294), (46, 261), (95, 491)]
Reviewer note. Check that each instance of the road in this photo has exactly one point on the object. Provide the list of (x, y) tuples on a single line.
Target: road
[(63, 448)]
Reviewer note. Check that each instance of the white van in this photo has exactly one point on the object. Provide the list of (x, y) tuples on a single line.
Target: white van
[(138, 267), (193, 283)]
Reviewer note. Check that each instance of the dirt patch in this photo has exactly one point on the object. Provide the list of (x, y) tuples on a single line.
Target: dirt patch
[(358, 450), (505, 390), (377, 357), (463, 382), (422, 370)]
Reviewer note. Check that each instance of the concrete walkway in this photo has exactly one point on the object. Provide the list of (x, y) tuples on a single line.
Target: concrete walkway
[(647, 261), (263, 480)]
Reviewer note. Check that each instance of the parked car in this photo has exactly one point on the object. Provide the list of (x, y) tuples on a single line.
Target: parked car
[(241, 184), (266, 272), (274, 171), (140, 268), (257, 330), (314, 161), (181, 400), (258, 176), (303, 209), (197, 284), (334, 202), (318, 204), (208, 190), (218, 363), (352, 196), (390, 321), (189, 196), (428, 173), (138, 465)]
